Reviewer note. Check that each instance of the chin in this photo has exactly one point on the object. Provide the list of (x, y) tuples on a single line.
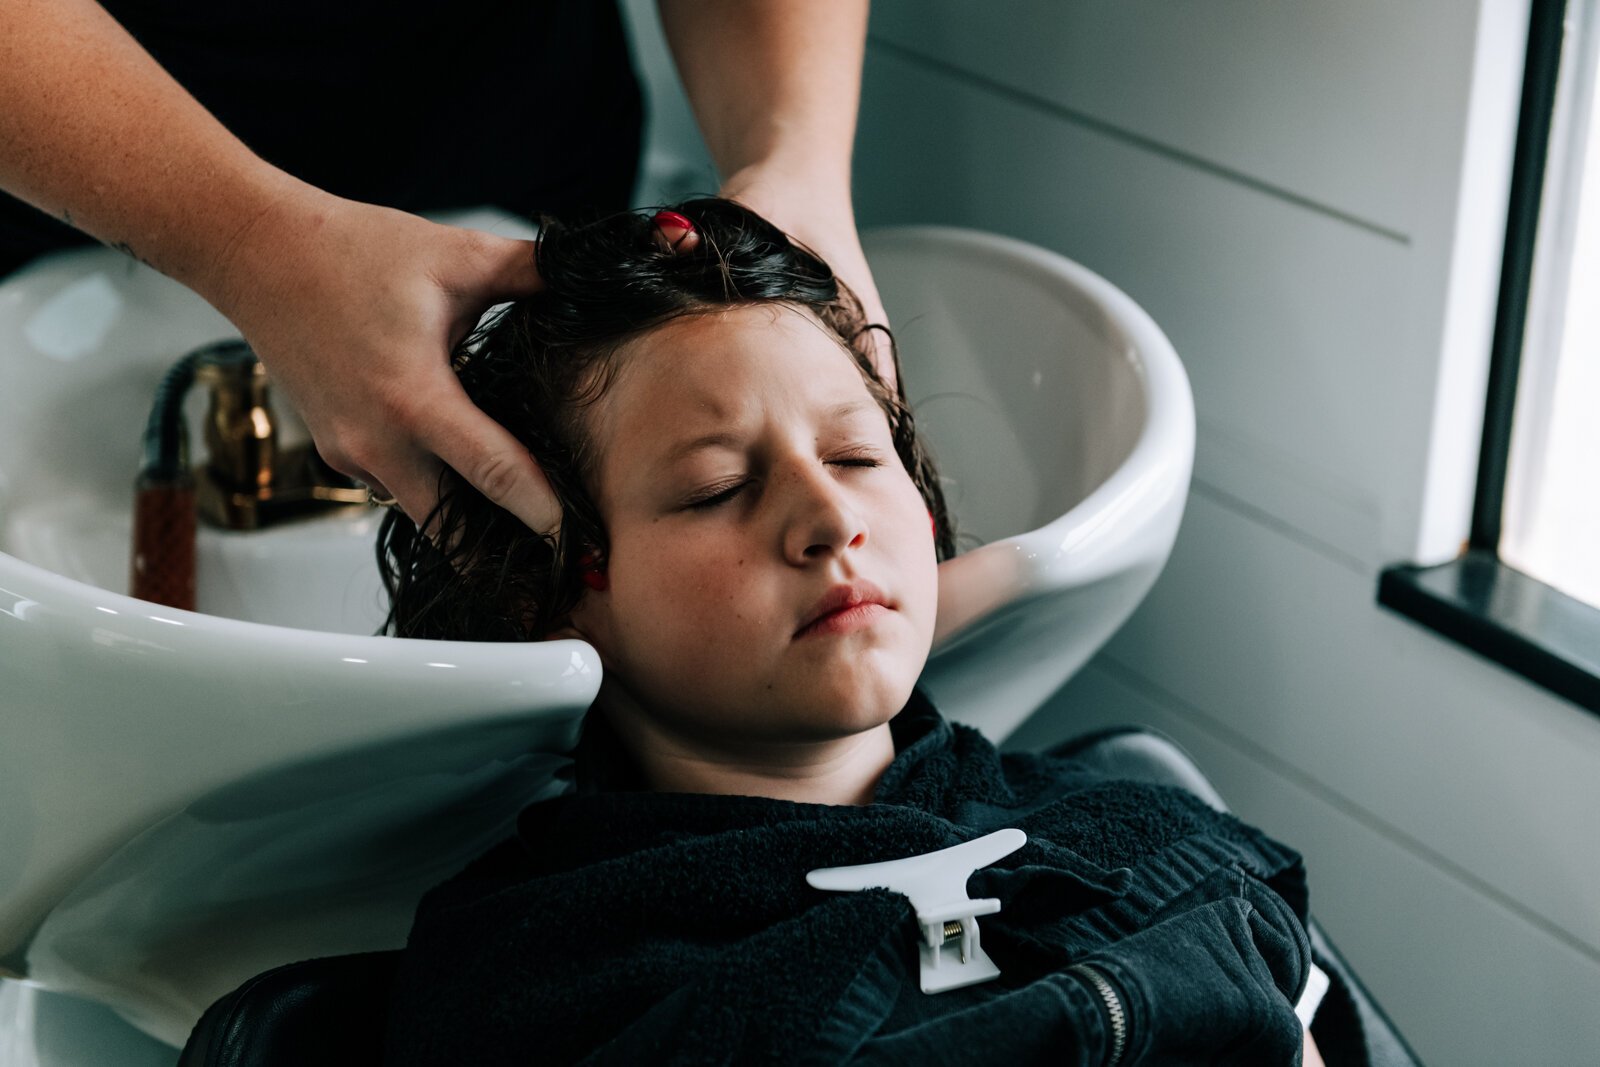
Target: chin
[(854, 703)]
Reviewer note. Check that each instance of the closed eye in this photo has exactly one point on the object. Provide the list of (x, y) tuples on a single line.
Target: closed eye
[(717, 496), (866, 457)]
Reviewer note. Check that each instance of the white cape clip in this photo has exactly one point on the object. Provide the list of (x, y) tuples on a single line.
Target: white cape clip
[(936, 882)]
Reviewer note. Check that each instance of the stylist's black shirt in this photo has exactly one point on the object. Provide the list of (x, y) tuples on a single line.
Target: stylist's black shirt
[(530, 105)]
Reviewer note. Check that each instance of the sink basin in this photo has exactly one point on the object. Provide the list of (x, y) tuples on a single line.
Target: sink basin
[(189, 798)]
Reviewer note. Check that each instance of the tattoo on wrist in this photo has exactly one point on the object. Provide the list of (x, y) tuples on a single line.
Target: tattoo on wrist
[(126, 249)]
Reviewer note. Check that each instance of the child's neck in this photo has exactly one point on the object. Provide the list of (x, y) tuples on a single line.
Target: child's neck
[(838, 771)]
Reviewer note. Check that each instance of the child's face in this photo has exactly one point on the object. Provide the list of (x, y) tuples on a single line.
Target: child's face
[(744, 474)]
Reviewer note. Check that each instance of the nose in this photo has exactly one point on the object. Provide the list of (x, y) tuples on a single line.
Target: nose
[(820, 519)]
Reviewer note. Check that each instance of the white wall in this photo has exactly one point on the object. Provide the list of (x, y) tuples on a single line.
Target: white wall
[(1309, 197)]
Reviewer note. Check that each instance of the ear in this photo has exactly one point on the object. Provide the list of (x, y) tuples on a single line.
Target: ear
[(565, 632), (588, 621)]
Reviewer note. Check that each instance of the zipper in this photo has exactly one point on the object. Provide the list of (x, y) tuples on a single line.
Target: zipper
[(1114, 1011)]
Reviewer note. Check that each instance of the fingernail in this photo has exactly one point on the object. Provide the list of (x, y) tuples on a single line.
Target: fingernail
[(676, 230), (672, 218)]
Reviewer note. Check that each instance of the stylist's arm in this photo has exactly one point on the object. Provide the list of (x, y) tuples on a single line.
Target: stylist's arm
[(775, 85), (353, 308)]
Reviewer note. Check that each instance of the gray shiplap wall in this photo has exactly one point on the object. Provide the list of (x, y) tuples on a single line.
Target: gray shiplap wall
[(1309, 198)]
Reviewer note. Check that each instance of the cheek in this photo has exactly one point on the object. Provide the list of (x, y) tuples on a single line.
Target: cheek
[(913, 546), (912, 521), (666, 590)]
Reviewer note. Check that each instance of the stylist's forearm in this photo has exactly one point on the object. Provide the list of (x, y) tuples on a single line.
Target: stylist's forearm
[(775, 85), (96, 133), (773, 80), (354, 309)]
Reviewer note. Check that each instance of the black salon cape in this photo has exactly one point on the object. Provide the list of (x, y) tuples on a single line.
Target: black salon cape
[(629, 927)]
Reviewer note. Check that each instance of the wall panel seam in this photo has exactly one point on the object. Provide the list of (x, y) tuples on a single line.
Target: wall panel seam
[(1282, 527), (1130, 676), (1129, 137)]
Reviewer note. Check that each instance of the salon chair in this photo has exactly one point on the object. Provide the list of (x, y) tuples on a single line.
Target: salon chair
[(330, 1011)]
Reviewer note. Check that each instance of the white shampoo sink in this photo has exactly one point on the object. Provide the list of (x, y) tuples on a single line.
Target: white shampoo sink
[(189, 798)]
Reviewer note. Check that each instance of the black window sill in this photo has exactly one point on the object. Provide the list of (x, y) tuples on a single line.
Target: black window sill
[(1517, 621)]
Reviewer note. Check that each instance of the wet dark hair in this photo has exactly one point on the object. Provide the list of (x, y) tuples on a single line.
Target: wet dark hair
[(536, 365)]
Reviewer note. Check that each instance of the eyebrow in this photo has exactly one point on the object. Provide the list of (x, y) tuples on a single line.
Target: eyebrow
[(730, 439)]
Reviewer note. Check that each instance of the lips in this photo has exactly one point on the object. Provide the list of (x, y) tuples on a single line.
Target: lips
[(844, 602)]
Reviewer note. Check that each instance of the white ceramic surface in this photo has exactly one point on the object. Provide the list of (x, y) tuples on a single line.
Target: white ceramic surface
[(187, 799), (1063, 427)]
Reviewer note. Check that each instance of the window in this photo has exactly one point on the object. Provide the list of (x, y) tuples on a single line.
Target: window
[(1526, 592), (1552, 506)]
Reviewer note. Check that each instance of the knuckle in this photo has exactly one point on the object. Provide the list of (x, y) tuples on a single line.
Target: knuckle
[(477, 249), (481, 244), (351, 451), (398, 412), (334, 446), (495, 474)]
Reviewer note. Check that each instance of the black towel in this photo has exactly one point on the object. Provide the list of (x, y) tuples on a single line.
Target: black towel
[(681, 923)]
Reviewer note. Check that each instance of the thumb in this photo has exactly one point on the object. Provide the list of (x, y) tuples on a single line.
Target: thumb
[(503, 269), (491, 459)]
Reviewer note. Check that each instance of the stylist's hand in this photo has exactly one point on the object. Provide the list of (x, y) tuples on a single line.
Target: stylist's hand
[(354, 310), (818, 213)]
